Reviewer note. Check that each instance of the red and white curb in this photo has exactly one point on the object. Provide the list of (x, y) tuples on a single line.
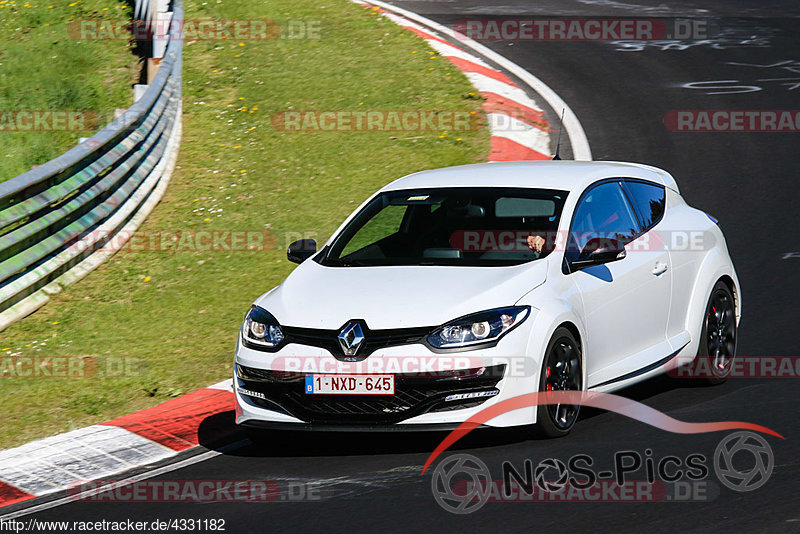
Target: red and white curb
[(517, 124), (99, 451)]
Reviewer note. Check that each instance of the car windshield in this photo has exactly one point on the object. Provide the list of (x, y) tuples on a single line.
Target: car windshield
[(487, 226)]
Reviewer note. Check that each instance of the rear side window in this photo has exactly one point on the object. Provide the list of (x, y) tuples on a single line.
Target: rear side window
[(648, 200)]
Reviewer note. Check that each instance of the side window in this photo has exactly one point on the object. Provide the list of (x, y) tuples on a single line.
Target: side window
[(603, 212), (648, 200)]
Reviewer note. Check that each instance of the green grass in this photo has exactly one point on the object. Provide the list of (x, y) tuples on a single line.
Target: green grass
[(176, 314), (43, 67)]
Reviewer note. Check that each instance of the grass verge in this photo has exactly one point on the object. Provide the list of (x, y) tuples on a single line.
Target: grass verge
[(166, 321), (45, 68)]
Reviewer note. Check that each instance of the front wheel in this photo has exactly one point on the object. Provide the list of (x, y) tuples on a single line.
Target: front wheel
[(561, 371), (718, 338)]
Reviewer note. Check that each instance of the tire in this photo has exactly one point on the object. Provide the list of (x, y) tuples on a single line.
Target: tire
[(718, 339), (563, 352)]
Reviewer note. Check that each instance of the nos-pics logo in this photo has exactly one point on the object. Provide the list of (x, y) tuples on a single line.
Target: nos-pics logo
[(462, 483)]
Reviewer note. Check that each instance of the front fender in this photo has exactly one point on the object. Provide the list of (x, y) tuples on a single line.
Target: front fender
[(553, 312)]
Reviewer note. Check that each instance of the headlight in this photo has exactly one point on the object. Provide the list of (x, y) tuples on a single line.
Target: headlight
[(261, 329), (484, 327)]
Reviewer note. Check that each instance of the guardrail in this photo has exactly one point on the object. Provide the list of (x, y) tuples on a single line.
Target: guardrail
[(64, 218)]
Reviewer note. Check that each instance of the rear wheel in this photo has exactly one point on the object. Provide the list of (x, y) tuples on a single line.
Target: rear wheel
[(561, 371), (718, 338)]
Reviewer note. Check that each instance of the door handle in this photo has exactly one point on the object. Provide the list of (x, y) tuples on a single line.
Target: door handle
[(660, 268)]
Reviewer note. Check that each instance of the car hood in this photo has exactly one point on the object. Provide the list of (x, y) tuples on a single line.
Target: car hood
[(315, 296)]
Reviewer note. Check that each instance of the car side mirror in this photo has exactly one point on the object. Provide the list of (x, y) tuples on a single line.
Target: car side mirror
[(597, 251), (301, 250)]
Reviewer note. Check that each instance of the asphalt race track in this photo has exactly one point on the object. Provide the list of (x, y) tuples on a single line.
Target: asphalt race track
[(621, 93)]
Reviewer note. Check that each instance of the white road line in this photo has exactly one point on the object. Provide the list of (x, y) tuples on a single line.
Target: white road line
[(50, 464), (127, 481), (577, 137)]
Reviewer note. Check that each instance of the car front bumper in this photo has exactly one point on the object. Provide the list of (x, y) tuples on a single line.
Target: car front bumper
[(433, 391)]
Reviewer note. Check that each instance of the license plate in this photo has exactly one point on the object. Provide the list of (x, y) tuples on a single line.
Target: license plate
[(350, 384)]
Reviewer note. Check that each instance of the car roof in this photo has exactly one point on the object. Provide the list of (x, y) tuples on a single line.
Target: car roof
[(563, 175)]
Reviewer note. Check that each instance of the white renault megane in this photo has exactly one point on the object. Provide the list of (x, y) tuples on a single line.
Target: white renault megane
[(450, 290)]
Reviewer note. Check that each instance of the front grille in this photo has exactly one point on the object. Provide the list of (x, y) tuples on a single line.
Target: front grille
[(373, 339), (414, 395)]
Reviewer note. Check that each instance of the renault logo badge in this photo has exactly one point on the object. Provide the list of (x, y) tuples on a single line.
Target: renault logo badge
[(350, 338)]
